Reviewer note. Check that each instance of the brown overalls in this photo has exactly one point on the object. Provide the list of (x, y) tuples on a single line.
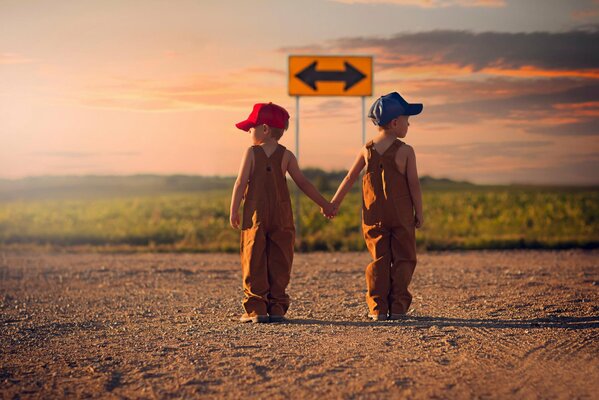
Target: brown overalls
[(267, 236), (389, 232)]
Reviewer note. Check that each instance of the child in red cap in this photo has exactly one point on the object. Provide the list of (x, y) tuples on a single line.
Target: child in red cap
[(391, 207), (267, 229)]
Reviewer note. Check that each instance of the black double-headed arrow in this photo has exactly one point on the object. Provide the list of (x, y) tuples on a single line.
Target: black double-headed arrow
[(350, 76)]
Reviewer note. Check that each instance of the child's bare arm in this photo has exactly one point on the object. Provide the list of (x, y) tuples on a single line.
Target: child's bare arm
[(304, 184), (239, 188), (349, 179), (414, 184)]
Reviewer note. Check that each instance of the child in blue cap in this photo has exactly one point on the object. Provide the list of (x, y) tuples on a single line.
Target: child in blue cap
[(391, 207)]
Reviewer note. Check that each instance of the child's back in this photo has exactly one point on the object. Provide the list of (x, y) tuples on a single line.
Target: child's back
[(392, 207), (267, 214), (389, 231), (267, 229), (386, 193)]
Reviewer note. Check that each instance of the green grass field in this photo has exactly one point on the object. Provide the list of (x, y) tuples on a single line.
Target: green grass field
[(457, 216)]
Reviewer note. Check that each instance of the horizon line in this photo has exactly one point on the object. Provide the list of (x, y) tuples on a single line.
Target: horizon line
[(425, 176)]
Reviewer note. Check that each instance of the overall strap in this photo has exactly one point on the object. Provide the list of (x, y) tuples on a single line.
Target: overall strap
[(259, 152), (397, 143), (278, 153), (369, 147), (256, 149), (259, 156), (276, 158)]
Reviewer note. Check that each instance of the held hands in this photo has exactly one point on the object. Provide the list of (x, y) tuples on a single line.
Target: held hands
[(330, 210)]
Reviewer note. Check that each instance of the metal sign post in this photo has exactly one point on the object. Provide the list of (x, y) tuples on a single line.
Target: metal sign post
[(327, 76), (363, 121), (298, 221)]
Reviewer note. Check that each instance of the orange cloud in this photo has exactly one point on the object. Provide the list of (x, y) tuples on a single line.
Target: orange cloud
[(207, 92), (472, 88), (532, 72), (263, 71), (426, 71), (586, 109), (455, 71)]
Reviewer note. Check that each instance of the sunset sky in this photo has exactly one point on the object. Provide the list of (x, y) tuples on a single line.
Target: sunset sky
[(510, 88)]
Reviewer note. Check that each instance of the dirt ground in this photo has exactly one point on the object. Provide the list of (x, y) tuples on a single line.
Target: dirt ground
[(487, 324)]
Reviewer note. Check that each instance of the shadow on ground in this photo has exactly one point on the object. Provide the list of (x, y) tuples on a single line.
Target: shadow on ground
[(427, 322)]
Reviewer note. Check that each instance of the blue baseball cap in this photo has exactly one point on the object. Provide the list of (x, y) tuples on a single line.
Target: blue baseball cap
[(391, 106)]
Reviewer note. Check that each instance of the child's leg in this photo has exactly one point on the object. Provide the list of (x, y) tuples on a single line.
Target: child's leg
[(403, 247), (254, 271), (377, 272), (279, 250)]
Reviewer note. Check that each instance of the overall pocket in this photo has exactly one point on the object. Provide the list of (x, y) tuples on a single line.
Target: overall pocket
[(249, 214), (368, 193), (371, 213)]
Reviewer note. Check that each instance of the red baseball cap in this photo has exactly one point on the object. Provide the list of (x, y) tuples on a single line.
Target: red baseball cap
[(265, 113)]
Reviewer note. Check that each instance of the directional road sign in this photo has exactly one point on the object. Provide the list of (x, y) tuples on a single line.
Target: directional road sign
[(330, 76)]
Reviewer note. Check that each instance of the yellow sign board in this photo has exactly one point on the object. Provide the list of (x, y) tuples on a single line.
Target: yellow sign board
[(330, 76)]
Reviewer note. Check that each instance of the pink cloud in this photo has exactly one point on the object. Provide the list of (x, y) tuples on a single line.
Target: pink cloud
[(234, 90)]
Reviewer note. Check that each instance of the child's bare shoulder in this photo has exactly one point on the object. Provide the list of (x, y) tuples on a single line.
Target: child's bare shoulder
[(403, 155), (364, 151), (288, 155), (249, 153), (405, 150)]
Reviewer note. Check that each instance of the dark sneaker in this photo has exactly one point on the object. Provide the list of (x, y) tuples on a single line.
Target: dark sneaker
[(395, 317), (254, 318), (378, 317)]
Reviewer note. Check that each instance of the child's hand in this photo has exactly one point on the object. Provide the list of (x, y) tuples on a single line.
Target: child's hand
[(329, 210), (326, 211), (335, 206), (418, 221), (334, 209), (234, 219)]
